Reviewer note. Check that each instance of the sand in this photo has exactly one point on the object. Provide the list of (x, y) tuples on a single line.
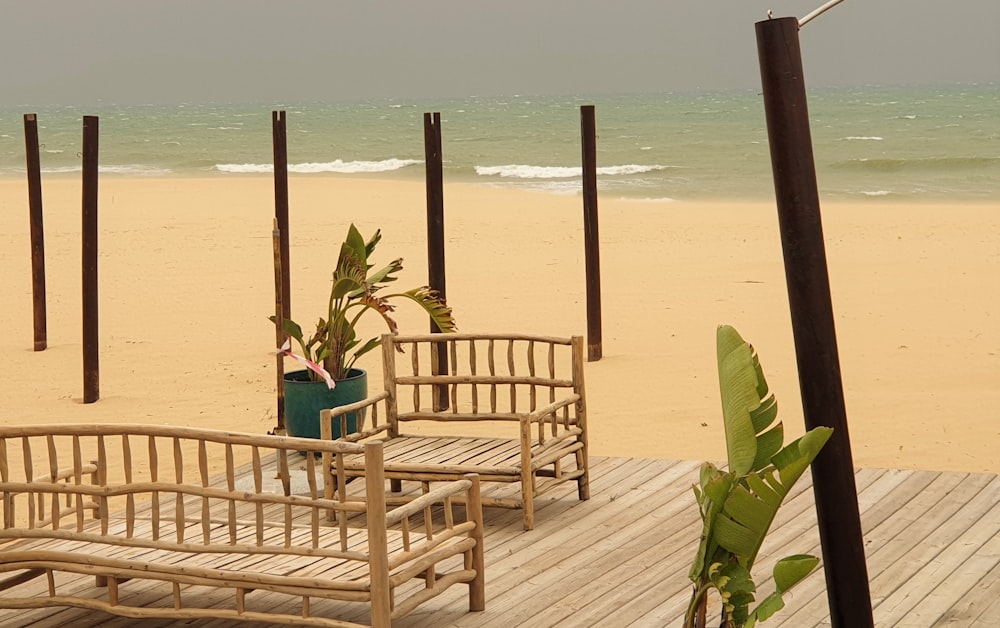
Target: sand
[(186, 284)]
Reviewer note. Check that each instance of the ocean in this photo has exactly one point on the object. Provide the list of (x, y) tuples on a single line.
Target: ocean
[(873, 143)]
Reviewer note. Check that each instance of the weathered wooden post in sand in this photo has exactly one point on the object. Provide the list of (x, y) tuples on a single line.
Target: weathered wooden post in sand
[(279, 335), (812, 319), (91, 345), (592, 243), (282, 271), (279, 136), (435, 233), (34, 168)]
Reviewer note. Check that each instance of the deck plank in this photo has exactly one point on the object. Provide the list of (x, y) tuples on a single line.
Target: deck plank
[(932, 541)]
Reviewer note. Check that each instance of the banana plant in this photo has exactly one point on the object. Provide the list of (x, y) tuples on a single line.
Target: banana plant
[(739, 504)]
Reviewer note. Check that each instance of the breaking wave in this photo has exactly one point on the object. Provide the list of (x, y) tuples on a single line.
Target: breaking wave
[(519, 171), (338, 166)]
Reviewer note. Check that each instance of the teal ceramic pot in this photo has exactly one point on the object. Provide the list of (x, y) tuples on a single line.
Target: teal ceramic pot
[(305, 399)]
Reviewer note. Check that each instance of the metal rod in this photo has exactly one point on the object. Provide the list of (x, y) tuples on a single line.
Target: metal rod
[(91, 345), (279, 316), (818, 12), (812, 320), (279, 138), (592, 243), (37, 232), (435, 234)]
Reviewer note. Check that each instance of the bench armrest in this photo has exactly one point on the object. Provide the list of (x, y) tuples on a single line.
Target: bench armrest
[(457, 488), (376, 415), (540, 414)]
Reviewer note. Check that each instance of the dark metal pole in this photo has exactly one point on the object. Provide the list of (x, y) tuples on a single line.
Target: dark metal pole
[(435, 233), (279, 335), (279, 137), (282, 264), (592, 243), (37, 232), (435, 203), (812, 320), (91, 346)]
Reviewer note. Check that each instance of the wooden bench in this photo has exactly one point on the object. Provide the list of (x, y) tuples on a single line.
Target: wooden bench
[(259, 547), (514, 406)]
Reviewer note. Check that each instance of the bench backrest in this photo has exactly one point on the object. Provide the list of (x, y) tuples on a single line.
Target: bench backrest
[(56, 480), (462, 376)]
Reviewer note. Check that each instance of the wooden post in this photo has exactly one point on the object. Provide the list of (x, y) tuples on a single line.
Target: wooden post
[(435, 235), (592, 243), (812, 320), (279, 138), (37, 232), (380, 587), (282, 263), (279, 316), (91, 346)]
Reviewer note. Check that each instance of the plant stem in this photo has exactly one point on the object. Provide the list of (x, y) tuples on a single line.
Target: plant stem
[(695, 616)]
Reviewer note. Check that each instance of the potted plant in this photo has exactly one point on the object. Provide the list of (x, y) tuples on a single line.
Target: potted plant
[(330, 378)]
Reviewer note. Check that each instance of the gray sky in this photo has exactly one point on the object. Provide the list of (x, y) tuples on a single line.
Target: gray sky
[(141, 51)]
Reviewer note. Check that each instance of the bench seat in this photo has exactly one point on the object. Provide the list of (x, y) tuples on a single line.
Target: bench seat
[(321, 573)]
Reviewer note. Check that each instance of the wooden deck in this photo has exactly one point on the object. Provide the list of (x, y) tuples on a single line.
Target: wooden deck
[(621, 559)]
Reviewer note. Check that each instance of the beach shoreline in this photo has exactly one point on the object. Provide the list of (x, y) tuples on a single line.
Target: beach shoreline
[(186, 285)]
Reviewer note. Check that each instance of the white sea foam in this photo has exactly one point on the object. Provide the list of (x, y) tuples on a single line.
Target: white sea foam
[(549, 186), (246, 168), (338, 166), (877, 193), (351, 167), (129, 169), (662, 199), (135, 169), (864, 138), (521, 171)]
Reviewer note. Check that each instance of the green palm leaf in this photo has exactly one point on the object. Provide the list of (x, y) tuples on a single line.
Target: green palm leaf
[(748, 408), (434, 305), (350, 274), (387, 274), (788, 572), (746, 517)]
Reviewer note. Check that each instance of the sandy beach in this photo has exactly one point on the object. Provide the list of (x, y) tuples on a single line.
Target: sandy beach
[(186, 285)]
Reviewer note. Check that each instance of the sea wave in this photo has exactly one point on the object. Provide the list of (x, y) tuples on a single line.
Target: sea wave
[(338, 166), (142, 170), (863, 138), (521, 171), (924, 163)]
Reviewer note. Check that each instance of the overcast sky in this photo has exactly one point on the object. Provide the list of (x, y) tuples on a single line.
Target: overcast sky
[(278, 51)]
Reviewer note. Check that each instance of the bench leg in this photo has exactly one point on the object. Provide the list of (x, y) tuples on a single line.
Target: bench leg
[(583, 482), (528, 499), (475, 556)]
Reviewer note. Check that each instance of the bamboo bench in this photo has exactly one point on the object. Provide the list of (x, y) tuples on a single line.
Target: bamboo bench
[(514, 405), (276, 546)]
